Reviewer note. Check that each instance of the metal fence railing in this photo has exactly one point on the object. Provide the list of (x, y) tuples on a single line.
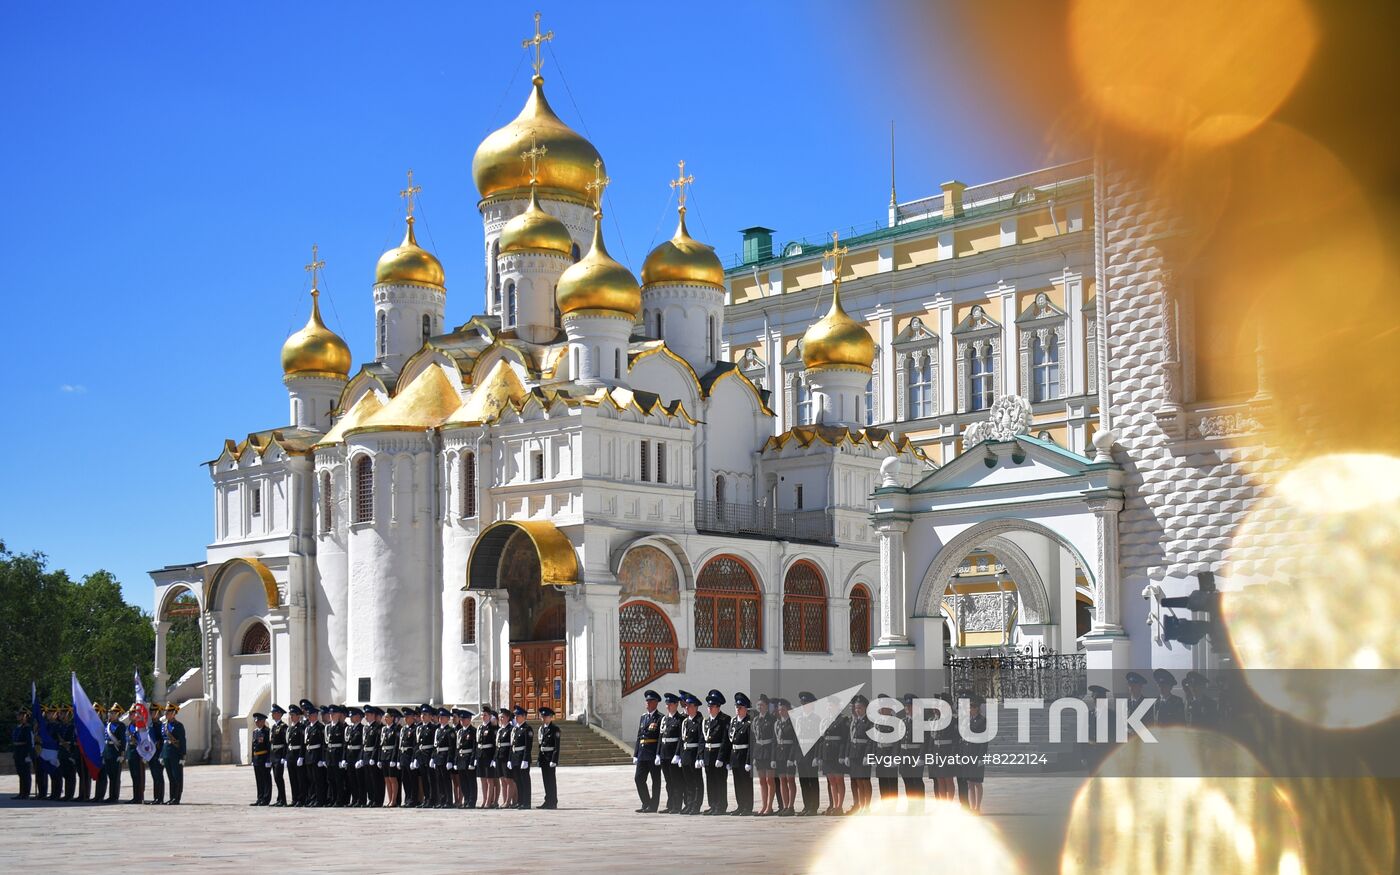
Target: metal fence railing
[(731, 518)]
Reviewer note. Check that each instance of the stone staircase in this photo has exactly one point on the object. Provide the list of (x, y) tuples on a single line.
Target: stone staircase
[(582, 745), (1059, 757)]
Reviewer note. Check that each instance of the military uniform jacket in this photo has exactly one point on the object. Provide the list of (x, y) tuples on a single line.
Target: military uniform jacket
[(466, 747), (522, 743), (132, 740), (504, 733), (807, 762), (296, 742), (373, 731), (833, 744), (648, 737), (22, 743), (740, 742), (114, 742), (886, 747), (716, 730), (692, 741), (670, 744), (1169, 711), (911, 749), (335, 743), (354, 743), (785, 749), (444, 745), (550, 736), (859, 746), (67, 738), (278, 734), (388, 748), (1202, 711), (173, 748), (407, 748), (485, 745), (315, 743), (423, 740), (157, 739), (762, 733), (260, 746)]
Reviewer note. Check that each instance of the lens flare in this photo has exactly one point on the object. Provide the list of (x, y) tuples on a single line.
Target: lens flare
[(944, 838), (1175, 826), (1326, 543)]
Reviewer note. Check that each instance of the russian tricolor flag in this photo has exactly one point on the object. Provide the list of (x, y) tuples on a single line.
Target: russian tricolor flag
[(90, 729)]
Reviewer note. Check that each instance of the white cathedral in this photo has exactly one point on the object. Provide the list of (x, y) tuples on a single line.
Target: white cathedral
[(599, 485)]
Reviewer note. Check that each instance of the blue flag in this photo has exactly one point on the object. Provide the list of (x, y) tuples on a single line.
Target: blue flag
[(48, 747)]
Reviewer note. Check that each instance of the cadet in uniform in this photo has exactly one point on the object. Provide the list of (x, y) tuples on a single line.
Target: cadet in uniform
[(785, 754), (858, 747), (944, 746), (1169, 710), (522, 749), (486, 758), (172, 752), (1135, 696), (550, 737), (505, 774), (154, 763), (465, 777), (970, 774), (260, 752), (831, 759), (372, 776), (277, 759), (740, 755), (646, 757), (692, 755), (67, 739), (407, 753), (336, 763), (911, 771), (668, 752), (762, 754), (807, 762), (1201, 709), (389, 757), (135, 766), (715, 728), (444, 754), (296, 754), (109, 779), (22, 747), (887, 749), (355, 755), (315, 774)]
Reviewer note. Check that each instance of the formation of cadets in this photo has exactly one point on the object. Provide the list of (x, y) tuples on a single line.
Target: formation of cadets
[(697, 755), (119, 751), (346, 757)]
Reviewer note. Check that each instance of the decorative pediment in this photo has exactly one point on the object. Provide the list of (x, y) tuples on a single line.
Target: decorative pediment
[(976, 320), (915, 332), (1021, 459), (1040, 307), (793, 359)]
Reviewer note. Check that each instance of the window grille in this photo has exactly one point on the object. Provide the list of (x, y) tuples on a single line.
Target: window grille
[(860, 619), (728, 607), (804, 609), (648, 644), (364, 489)]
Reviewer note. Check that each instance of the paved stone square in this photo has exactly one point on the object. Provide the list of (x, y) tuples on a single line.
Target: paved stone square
[(214, 830)]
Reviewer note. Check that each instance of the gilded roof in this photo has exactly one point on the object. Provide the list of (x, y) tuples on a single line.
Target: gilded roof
[(424, 403), (833, 435), (365, 407), (499, 388)]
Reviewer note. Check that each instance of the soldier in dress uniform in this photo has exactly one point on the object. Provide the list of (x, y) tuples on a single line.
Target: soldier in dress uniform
[(970, 774), (831, 759), (505, 733), (715, 728), (259, 753), (355, 757), (135, 766), (1201, 709), (67, 738), (911, 766), (1169, 710), (887, 749), (1097, 749), (692, 754), (277, 759), (646, 773), (943, 746), (314, 776), (762, 755), (522, 750), (337, 792), (807, 780), (486, 758), (113, 746), (444, 752), (740, 755), (154, 763), (1135, 684), (296, 753), (407, 753), (669, 753), (172, 752), (550, 737), (785, 753), (371, 777), (465, 776), (389, 758), (858, 747), (22, 748)]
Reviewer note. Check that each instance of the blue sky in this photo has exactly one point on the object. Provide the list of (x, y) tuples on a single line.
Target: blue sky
[(166, 171)]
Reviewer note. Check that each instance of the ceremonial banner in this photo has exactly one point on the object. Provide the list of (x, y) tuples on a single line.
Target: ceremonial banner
[(141, 719), (90, 729), (48, 746)]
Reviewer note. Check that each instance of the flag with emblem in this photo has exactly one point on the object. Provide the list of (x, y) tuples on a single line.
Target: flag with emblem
[(48, 745), (90, 729), (141, 719)]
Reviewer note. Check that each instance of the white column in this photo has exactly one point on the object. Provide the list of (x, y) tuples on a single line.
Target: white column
[(1010, 355), (885, 389), (162, 628), (892, 583), (1065, 608), (1106, 643), (1074, 344), (947, 364)]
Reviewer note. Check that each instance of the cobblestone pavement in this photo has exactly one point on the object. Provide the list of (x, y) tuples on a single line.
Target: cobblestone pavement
[(214, 830)]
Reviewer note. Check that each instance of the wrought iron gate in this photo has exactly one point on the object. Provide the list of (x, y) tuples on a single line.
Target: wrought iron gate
[(1012, 673)]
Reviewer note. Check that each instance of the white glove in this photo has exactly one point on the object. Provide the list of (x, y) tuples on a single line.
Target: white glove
[(359, 764), (676, 760), (634, 761), (747, 767), (342, 764), (658, 761), (322, 764), (728, 767), (699, 764), (301, 761), (413, 765), (551, 765), (268, 764)]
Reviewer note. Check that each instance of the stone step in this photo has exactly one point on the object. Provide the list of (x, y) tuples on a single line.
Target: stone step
[(582, 745)]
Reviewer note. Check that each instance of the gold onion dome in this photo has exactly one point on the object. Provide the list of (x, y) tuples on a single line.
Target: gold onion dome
[(409, 264), (315, 350), (683, 259), (536, 231), (497, 169), (597, 283), (837, 340)]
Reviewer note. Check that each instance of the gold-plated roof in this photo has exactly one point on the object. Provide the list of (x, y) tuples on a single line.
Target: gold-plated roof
[(315, 350), (834, 435), (597, 283), (269, 583), (536, 231), (363, 409), (683, 259), (424, 403), (497, 168), (500, 388), (409, 264), (558, 560)]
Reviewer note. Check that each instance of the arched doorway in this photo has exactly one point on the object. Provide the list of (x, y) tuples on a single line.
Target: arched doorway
[(532, 562)]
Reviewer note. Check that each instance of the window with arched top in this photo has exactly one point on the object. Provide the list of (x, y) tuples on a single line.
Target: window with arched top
[(574, 253), (427, 326), (256, 640), (327, 502), (648, 644), (860, 619), (919, 373), (510, 303), (804, 609), (468, 620), (728, 606), (364, 489), (495, 277), (469, 485)]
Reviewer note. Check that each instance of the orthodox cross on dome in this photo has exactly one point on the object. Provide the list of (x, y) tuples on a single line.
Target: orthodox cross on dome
[(681, 182), (836, 253), (536, 41), (596, 187), (313, 268), (408, 193), (531, 157)]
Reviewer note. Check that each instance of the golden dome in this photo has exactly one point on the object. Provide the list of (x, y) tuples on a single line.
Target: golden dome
[(315, 350), (536, 231), (683, 259), (409, 264), (568, 163), (598, 283), (837, 340)]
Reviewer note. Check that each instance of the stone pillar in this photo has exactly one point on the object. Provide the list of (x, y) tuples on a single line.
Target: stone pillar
[(893, 609), (1065, 609), (162, 628), (1106, 643)]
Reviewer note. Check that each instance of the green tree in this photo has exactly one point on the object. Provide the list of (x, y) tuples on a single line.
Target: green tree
[(182, 641)]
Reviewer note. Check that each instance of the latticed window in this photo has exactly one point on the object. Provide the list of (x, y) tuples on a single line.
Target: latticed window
[(644, 461), (860, 619), (469, 485), (804, 609), (364, 489), (327, 502), (648, 645), (468, 620), (256, 640), (728, 607), (383, 335), (660, 462), (868, 415)]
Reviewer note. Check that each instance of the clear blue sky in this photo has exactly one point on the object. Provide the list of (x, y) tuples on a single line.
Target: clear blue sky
[(166, 168)]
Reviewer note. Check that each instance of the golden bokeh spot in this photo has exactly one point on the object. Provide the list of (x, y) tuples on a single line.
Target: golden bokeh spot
[(1325, 541), (1196, 70), (1176, 826), (943, 839)]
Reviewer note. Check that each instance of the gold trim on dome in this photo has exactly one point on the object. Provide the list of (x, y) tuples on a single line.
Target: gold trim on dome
[(535, 230), (558, 559), (264, 574), (410, 264), (496, 167), (366, 406), (836, 340), (424, 403), (683, 259), (315, 350), (596, 284)]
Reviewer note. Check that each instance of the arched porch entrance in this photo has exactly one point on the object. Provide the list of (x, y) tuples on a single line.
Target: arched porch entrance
[(523, 567)]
